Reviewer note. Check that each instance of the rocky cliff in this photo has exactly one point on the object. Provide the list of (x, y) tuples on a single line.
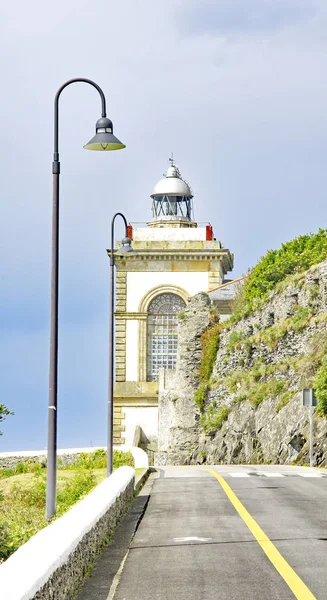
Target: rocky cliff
[(249, 410)]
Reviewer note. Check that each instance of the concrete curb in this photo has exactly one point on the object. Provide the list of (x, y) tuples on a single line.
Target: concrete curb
[(142, 478), (99, 585)]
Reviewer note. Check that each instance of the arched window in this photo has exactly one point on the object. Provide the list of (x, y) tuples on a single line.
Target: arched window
[(162, 333)]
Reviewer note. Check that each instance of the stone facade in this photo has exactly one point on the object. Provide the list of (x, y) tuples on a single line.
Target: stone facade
[(177, 258), (253, 433)]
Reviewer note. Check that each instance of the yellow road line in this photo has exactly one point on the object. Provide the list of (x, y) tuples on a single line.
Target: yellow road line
[(299, 589)]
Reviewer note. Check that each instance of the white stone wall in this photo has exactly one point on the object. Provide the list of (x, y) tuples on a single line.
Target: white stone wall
[(132, 350), (139, 284), (145, 417)]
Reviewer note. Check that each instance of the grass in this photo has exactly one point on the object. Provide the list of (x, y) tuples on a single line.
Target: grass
[(213, 418), (209, 347), (284, 400), (271, 381), (22, 494), (200, 395)]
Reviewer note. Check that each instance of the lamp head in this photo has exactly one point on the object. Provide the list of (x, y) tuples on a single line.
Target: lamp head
[(104, 138), (126, 246)]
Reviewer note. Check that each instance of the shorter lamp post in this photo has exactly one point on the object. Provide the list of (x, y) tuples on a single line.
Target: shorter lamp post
[(126, 247)]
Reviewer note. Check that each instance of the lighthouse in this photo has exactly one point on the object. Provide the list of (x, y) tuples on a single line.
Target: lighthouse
[(174, 259)]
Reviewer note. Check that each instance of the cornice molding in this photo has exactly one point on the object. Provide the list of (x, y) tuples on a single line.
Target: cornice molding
[(185, 255), (140, 316)]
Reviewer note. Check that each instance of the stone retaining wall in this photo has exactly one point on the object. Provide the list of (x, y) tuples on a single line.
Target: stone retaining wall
[(9, 460), (53, 563)]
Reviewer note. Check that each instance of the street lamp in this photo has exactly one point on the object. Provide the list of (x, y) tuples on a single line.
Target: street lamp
[(126, 247), (103, 140)]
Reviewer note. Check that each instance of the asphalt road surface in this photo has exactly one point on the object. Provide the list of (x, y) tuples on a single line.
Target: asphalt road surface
[(231, 533)]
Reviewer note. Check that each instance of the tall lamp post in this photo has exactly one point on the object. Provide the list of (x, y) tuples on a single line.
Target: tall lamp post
[(126, 247), (103, 140)]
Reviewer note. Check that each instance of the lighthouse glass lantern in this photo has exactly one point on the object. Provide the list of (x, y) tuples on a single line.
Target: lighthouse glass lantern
[(172, 198)]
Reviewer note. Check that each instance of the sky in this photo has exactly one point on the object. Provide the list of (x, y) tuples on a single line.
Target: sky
[(237, 89)]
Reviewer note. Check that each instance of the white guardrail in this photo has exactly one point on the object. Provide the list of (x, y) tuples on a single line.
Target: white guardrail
[(57, 557)]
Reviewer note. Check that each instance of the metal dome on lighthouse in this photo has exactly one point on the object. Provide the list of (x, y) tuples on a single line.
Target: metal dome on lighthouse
[(172, 200)]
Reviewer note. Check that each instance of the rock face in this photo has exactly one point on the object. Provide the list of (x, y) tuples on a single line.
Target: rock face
[(269, 344), (179, 428)]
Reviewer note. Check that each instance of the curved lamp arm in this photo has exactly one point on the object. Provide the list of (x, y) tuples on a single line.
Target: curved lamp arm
[(56, 165), (118, 214)]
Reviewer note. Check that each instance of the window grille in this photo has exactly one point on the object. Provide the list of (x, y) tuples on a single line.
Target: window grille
[(162, 333)]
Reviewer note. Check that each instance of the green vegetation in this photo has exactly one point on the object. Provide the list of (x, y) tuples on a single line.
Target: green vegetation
[(213, 315), (247, 379), (274, 272), (200, 395), (293, 258), (271, 335), (320, 385), (209, 346), (267, 389), (312, 369), (22, 496), (284, 400), (213, 418), (98, 460), (301, 318), (4, 412), (257, 383), (234, 339), (85, 460)]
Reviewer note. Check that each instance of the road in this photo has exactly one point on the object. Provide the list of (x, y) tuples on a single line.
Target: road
[(234, 532)]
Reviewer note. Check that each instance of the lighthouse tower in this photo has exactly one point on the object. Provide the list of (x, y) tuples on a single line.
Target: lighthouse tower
[(174, 259)]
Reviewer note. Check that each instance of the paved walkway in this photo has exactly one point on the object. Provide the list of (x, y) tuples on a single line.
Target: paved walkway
[(230, 534)]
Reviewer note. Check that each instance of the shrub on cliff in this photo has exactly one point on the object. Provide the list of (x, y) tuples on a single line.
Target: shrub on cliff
[(293, 257), (321, 388), (213, 418), (209, 347)]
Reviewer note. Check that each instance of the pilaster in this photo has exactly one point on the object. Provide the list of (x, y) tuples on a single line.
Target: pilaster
[(121, 291), (118, 426), (213, 279)]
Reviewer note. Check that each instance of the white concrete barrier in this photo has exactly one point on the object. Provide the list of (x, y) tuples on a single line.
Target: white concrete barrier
[(57, 557), (141, 460)]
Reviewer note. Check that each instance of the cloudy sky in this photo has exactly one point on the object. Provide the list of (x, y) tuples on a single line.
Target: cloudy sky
[(237, 89)]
